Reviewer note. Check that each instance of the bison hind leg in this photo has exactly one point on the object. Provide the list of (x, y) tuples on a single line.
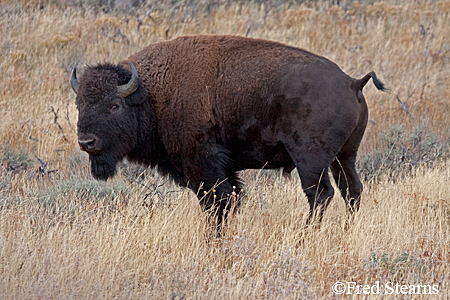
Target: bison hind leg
[(317, 187), (344, 171), (312, 167), (347, 179)]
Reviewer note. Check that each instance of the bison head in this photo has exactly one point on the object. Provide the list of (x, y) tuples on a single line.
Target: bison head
[(108, 101)]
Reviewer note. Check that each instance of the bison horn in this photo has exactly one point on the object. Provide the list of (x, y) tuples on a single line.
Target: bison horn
[(74, 81), (130, 87)]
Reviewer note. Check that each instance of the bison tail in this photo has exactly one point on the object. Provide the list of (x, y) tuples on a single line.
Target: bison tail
[(360, 83)]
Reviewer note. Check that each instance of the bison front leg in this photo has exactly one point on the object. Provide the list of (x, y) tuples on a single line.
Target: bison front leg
[(220, 198), (218, 188)]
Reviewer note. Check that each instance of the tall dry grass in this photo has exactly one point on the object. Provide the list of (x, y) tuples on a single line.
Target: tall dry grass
[(66, 236)]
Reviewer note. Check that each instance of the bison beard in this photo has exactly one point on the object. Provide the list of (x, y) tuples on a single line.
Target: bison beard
[(103, 166), (203, 108)]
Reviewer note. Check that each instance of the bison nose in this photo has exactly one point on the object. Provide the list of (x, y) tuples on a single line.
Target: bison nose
[(89, 143)]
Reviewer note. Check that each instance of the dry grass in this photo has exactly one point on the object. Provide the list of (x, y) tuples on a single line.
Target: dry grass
[(65, 236)]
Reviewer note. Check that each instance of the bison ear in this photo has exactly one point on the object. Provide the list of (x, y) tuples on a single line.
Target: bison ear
[(138, 97)]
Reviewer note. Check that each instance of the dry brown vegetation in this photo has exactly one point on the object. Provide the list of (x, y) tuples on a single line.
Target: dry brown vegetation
[(65, 236)]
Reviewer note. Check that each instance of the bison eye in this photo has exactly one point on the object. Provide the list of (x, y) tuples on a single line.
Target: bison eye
[(114, 107)]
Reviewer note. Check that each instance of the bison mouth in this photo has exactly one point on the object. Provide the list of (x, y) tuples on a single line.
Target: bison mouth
[(103, 166)]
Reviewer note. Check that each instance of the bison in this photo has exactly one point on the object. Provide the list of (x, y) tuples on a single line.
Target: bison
[(202, 108)]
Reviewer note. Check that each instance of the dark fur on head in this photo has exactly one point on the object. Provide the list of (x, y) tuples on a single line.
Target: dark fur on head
[(117, 122), (98, 78)]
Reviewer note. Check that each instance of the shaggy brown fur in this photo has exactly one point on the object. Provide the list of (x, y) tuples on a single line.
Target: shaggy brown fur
[(210, 106)]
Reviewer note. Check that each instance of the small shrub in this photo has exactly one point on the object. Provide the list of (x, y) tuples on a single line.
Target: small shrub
[(402, 151), (84, 192), (403, 268), (14, 161)]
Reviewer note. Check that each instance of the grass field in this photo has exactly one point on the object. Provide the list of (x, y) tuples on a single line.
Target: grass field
[(64, 235)]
